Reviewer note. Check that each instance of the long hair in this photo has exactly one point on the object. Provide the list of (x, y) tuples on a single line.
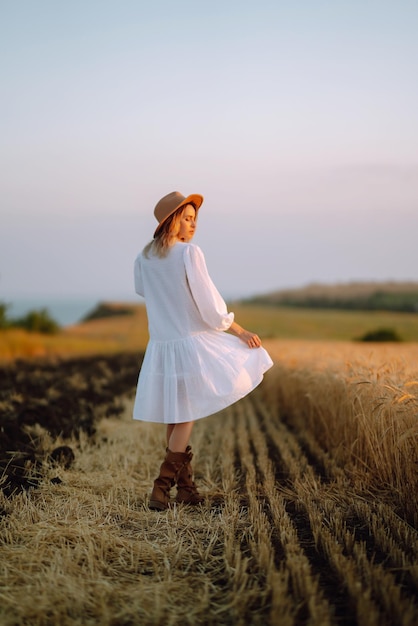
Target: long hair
[(167, 235)]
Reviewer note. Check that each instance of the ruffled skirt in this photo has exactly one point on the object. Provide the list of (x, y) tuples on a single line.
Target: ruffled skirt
[(186, 379)]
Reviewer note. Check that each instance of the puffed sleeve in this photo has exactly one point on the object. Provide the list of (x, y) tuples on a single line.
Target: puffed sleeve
[(139, 285), (208, 300)]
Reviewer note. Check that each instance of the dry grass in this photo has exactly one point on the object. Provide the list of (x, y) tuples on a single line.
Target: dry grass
[(309, 517), (360, 404)]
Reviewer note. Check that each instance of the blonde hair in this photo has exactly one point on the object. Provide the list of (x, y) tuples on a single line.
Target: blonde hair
[(167, 235)]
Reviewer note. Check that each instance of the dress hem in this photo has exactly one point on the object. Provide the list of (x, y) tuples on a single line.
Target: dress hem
[(222, 405)]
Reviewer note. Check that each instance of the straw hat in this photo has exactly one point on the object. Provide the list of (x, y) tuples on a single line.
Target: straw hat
[(170, 203)]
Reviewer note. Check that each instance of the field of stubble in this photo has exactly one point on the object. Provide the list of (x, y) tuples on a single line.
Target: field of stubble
[(310, 518)]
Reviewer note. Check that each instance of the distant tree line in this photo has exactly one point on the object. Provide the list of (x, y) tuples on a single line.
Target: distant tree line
[(38, 321), (378, 301)]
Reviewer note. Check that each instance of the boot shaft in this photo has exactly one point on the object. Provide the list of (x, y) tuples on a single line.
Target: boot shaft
[(186, 489), (170, 470)]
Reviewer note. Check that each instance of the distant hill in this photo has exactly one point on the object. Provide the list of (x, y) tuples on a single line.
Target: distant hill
[(109, 309), (361, 296)]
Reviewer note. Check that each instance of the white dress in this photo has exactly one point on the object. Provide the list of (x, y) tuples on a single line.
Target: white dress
[(191, 368)]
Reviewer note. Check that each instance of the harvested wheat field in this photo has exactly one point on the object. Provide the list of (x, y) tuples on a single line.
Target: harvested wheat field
[(311, 514)]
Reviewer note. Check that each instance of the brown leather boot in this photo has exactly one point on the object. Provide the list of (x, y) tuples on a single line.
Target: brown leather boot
[(169, 470), (187, 492)]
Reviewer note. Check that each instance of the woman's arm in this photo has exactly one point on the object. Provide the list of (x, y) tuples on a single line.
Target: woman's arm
[(251, 339), (209, 301), (207, 298)]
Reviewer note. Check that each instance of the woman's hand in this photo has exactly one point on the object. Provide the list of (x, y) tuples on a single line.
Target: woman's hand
[(251, 339)]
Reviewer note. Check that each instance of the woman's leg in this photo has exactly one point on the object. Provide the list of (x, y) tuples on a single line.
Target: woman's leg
[(169, 431), (176, 468), (187, 492), (178, 439)]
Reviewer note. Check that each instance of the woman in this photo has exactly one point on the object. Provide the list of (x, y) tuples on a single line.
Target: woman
[(191, 367)]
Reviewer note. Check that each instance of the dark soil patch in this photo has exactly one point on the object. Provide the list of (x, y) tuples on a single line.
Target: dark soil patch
[(64, 397)]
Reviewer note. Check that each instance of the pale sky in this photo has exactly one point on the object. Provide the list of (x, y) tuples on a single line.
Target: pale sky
[(297, 121)]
